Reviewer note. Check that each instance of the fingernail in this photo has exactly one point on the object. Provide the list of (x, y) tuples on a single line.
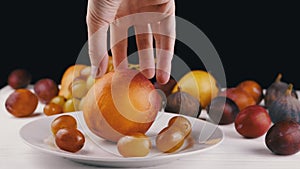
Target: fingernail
[(162, 77)]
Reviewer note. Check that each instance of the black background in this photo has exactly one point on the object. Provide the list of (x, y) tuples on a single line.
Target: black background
[(255, 40)]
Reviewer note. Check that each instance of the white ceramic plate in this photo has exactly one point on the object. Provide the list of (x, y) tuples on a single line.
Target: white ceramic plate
[(97, 151)]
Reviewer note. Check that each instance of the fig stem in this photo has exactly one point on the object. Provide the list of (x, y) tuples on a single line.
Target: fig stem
[(278, 78), (289, 89), (178, 88)]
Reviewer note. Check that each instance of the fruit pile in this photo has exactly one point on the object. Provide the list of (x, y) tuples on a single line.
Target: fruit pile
[(56, 98), (274, 114), (122, 105)]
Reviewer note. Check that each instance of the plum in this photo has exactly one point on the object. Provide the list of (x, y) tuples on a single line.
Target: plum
[(46, 89), (283, 138), (253, 121), (19, 78), (21, 103)]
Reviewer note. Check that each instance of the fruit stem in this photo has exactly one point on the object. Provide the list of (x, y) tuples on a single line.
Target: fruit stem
[(289, 89), (278, 78), (178, 88)]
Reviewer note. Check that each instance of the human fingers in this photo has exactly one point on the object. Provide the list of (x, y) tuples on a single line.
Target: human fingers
[(164, 7), (118, 43), (100, 14), (144, 41), (165, 41)]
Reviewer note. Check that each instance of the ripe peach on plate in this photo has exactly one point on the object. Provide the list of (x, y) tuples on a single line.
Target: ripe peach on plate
[(121, 103)]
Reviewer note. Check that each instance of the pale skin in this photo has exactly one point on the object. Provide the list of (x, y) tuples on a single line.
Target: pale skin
[(151, 19)]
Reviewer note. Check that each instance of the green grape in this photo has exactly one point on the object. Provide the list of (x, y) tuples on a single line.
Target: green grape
[(182, 123), (60, 100), (69, 106), (137, 145), (169, 139), (79, 88)]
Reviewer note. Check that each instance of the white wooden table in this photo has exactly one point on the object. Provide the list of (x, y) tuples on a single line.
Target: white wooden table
[(235, 152)]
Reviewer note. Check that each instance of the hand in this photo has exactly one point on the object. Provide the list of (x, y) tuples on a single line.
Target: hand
[(150, 18)]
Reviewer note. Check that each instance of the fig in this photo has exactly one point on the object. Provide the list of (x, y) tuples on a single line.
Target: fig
[(183, 103), (222, 110), (275, 90), (166, 88), (285, 107), (19, 78), (283, 138), (46, 89)]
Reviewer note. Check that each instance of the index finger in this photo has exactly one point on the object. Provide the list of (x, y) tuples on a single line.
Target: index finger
[(100, 14)]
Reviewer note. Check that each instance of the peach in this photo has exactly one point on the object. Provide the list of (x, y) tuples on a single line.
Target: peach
[(121, 103)]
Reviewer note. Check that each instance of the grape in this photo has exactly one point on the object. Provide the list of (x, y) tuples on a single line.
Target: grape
[(89, 82), (69, 106), (69, 139), (169, 139), (85, 72), (136, 145), (182, 123), (63, 121), (78, 88), (60, 100), (52, 108)]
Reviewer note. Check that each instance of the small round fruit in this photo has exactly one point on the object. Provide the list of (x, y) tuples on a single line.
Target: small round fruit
[(19, 78), (69, 75), (136, 145), (85, 72), (169, 139), (46, 89), (63, 121), (183, 103), (253, 121), (60, 100), (166, 88), (69, 106), (78, 88), (182, 123), (89, 82), (239, 96), (21, 103), (52, 108), (200, 84), (222, 110), (69, 139), (283, 138), (253, 88)]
